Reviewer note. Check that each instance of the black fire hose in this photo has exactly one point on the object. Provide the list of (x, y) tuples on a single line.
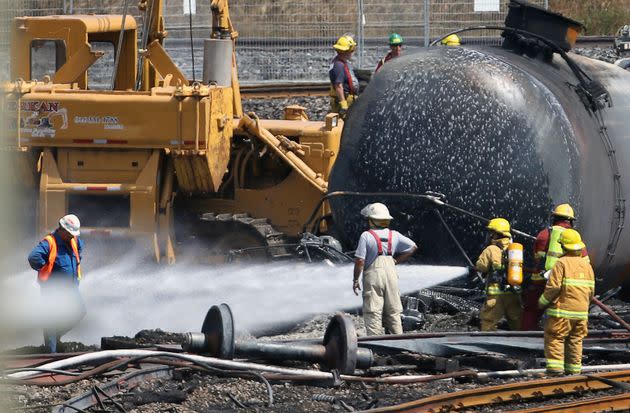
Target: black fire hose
[(461, 249), (434, 199)]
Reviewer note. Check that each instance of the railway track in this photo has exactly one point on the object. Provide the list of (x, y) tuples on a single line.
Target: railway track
[(616, 403), (284, 90), (516, 392)]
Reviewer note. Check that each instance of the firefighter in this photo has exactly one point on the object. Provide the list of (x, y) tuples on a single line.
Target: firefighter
[(395, 50), (378, 251), (451, 40), (502, 300), (344, 84), (57, 260), (567, 296), (547, 250)]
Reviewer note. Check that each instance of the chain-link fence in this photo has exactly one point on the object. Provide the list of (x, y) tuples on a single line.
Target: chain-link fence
[(290, 40)]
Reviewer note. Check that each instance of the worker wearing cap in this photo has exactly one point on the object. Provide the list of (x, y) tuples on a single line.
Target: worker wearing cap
[(547, 250), (395, 50), (451, 40), (502, 300), (344, 84), (567, 296), (57, 260), (377, 253)]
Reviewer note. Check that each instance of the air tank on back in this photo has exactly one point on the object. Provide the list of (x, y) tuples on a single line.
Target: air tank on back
[(500, 131)]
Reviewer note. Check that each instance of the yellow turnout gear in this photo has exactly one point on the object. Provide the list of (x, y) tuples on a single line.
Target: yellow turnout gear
[(500, 301), (567, 297)]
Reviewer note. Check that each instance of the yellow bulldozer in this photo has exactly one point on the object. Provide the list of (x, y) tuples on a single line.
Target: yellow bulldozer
[(126, 157)]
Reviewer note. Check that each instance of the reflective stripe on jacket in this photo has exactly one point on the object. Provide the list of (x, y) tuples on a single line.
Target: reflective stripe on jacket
[(554, 250), (49, 257), (569, 289)]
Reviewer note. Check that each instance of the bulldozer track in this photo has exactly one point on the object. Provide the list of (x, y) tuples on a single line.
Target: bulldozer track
[(275, 241), (513, 392)]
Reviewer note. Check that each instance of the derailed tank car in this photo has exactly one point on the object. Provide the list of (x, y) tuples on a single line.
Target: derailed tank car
[(501, 131)]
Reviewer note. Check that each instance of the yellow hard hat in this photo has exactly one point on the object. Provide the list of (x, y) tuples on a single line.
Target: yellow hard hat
[(564, 211), (500, 226), (571, 240), (345, 44), (451, 40)]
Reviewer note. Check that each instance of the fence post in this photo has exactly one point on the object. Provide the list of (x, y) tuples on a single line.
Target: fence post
[(426, 23), (360, 34)]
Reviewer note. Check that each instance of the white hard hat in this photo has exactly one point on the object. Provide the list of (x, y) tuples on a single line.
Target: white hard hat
[(71, 224), (376, 211)]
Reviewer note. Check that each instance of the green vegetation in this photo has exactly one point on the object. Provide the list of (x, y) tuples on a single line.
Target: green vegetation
[(600, 17)]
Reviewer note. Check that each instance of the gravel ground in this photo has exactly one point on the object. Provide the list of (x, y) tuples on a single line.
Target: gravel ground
[(194, 391), (316, 107)]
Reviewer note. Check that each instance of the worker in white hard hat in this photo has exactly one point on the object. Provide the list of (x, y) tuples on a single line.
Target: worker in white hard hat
[(57, 260), (377, 253), (344, 83)]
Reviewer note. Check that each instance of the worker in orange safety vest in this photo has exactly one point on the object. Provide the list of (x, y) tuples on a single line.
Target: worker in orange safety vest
[(57, 260)]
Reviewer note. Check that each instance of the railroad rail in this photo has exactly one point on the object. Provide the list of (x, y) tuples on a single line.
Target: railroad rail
[(521, 391), (595, 41), (618, 402), (283, 90)]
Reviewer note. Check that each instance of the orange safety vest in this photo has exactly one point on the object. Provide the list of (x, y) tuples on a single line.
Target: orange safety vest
[(46, 270)]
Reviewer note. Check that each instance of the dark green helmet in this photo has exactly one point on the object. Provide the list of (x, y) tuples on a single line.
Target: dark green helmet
[(395, 39)]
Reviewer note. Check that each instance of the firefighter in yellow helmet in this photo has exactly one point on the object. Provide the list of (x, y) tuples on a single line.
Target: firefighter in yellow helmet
[(344, 83), (567, 296), (547, 250), (502, 300), (451, 40)]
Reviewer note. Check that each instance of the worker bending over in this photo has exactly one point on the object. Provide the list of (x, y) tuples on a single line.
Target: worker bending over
[(502, 300), (395, 50), (378, 251), (57, 260), (547, 251), (567, 296), (344, 84)]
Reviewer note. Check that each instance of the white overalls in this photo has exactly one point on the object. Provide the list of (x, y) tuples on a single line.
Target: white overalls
[(381, 296)]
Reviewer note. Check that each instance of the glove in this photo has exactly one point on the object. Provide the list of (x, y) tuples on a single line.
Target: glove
[(343, 109), (491, 302)]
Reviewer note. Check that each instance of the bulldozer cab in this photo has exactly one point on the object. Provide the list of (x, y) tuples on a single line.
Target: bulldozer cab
[(68, 49)]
